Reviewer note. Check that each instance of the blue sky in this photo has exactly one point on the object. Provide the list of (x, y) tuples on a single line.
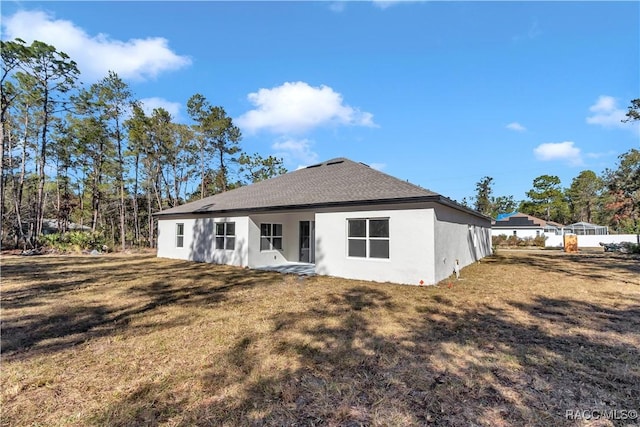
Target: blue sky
[(437, 93)]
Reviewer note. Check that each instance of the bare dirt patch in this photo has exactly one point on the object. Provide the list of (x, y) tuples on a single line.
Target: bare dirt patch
[(131, 340)]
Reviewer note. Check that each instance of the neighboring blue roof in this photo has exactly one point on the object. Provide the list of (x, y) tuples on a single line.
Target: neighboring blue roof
[(504, 215)]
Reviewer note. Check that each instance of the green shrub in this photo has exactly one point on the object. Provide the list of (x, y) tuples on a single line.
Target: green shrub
[(630, 248), (74, 241), (514, 241), (539, 241), (50, 240), (498, 240)]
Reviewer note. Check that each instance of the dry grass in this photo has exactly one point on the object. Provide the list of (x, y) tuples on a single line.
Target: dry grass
[(135, 340)]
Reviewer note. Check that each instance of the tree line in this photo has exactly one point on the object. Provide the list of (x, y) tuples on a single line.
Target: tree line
[(611, 198), (90, 158)]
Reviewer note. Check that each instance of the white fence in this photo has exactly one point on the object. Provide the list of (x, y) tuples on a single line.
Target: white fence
[(591, 241)]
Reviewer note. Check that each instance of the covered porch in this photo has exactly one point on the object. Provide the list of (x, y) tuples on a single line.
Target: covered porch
[(283, 242)]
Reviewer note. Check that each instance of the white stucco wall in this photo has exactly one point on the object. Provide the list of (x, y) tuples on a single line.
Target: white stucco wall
[(199, 242), (167, 238), (410, 247), (290, 238), (591, 241), (520, 232), (425, 240), (458, 236)]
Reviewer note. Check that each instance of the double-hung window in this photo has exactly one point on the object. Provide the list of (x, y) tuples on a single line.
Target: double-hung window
[(179, 235), (226, 235), (270, 237), (368, 238)]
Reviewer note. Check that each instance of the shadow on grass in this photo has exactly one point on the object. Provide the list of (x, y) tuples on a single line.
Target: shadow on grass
[(523, 364), (358, 356), (586, 265), (48, 277), (62, 321)]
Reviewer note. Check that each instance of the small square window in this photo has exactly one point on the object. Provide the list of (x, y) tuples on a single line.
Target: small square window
[(270, 237), (220, 228), (225, 235), (357, 248), (357, 228), (230, 243), (265, 244), (368, 238), (277, 243), (379, 248), (378, 228)]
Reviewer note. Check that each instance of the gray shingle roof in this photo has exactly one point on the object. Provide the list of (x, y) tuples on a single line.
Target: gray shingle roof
[(338, 181)]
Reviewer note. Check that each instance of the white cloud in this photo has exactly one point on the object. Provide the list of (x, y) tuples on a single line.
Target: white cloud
[(296, 107), (149, 104), (516, 126), (337, 6), (137, 59), (606, 113), (296, 151), (533, 32), (384, 4), (566, 151), (378, 166)]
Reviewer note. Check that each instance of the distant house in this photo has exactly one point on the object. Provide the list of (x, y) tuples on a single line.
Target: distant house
[(586, 229), (50, 226), (339, 218), (523, 225)]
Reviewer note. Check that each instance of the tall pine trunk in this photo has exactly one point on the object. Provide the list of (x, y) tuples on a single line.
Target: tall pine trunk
[(150, 219), (223, 172), (2, 198), (18, 187), (202, 170), (123, 231), (42, 163), (136, 220)]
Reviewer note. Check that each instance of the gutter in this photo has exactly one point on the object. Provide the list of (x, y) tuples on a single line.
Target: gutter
[(436, 198)]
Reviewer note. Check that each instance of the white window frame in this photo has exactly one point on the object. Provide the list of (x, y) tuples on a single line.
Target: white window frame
[(271, 237), (368, 238), (226, 238), (179, 236)]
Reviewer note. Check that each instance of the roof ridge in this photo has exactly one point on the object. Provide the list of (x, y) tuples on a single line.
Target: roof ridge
[(391, 176), (339, 180)]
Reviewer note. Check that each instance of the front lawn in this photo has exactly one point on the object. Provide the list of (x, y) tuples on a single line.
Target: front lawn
[(136, 340)]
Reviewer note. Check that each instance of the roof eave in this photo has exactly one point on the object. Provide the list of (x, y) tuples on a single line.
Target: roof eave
[(455, 205), (436, 198)]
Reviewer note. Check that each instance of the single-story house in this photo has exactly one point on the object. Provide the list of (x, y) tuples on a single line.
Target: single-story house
[(523, 225), (340, 218)]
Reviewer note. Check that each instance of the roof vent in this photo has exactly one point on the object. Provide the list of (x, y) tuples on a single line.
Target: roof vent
[(204, 208), (335, 163), (365, 164), (314, 166)]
